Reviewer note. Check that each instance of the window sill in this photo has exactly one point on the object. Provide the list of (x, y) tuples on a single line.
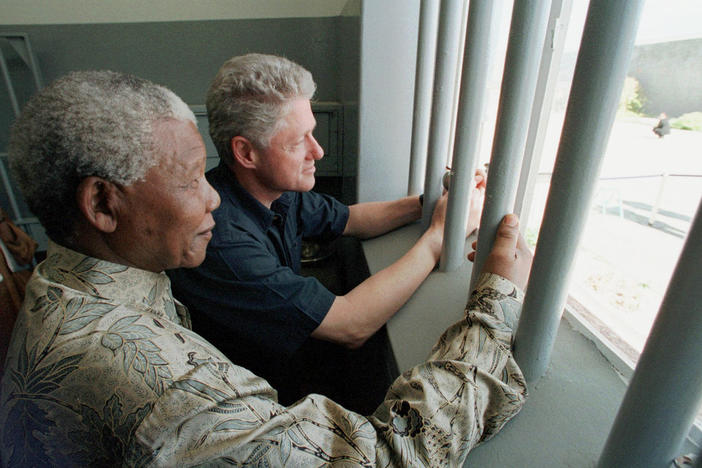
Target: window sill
[(581, 384)]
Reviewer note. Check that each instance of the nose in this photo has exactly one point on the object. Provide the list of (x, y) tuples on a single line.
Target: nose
[(213, 198), (316, 150)]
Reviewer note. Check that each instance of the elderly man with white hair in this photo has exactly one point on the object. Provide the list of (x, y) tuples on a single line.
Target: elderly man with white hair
[(103, 368)]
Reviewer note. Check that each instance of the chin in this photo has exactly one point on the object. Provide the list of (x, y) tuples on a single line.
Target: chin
[(192, 261), (308, 185)]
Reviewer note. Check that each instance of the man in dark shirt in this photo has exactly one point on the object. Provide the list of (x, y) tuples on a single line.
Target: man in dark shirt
[(662, 128), (250, 298)]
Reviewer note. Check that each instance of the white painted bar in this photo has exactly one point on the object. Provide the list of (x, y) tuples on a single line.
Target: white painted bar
[(541, 111), (605, 51), (526, 39), (476, 64), (447, 52), (423, 84)]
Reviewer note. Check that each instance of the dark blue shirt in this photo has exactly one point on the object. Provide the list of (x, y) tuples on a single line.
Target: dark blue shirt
[(248, 298)]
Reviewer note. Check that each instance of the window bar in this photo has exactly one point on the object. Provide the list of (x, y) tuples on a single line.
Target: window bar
[(603, 59), (665, 391), (447, 51), (526, 40), (465, 154), (424, 79), (541, 110), (659, 198), (698, 463)]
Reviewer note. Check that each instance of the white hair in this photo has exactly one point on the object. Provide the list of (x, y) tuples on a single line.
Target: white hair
[(249, 96), (88, 123)]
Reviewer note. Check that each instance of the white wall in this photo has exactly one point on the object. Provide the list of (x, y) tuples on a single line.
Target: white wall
[(16, 12), (388, 59)]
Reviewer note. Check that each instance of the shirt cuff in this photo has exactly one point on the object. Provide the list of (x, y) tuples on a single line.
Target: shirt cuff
[(499, 283), (506, 297)]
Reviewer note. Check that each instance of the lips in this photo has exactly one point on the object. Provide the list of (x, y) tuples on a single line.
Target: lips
[(207, 232)]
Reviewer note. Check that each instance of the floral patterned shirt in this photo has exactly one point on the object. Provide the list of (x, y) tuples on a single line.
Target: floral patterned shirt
[(103, 370)]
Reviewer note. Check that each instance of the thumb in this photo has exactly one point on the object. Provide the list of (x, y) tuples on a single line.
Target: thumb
[(510, 257), (507, 235)]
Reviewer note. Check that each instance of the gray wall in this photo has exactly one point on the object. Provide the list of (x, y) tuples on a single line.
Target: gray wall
[(80, 11), (348, 87), (185, 55), (388, 59), (670, 76)]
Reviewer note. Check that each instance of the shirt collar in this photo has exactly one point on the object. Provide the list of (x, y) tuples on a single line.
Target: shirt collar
[(129, 286), (227, 184)]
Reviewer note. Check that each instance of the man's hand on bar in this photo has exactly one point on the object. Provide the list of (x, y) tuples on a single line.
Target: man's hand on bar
[(510, 257)]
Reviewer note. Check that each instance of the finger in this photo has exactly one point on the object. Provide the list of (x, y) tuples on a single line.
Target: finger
[(480, 178), (474, 244), (471, 256), (507, 234)]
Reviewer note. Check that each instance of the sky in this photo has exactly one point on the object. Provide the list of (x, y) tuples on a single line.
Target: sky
[(661, 21), (666, 20)]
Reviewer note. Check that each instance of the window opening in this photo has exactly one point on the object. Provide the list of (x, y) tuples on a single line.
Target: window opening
[(649, 185)]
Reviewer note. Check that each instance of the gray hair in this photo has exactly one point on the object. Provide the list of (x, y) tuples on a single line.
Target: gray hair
[(250, 95), (88, 123)]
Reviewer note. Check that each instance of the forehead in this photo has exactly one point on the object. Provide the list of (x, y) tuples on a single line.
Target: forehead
[(299, 116), (179, 144)]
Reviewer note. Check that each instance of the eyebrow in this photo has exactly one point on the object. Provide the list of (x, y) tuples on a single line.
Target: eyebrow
[(194, 163)]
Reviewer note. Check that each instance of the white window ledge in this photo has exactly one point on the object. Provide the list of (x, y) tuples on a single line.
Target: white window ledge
[(585, 382)]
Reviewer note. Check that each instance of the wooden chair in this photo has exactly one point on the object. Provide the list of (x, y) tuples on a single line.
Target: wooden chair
[(16, 264)]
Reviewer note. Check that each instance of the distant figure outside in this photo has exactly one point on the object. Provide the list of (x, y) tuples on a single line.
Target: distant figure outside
[(663, 127)]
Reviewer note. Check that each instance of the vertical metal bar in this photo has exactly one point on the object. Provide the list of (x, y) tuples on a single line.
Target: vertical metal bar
[(698, 463), (424, 79), (442, 103), (526, 39), (665, 391), (8, 82), (607, 43), (541, 111), (659, 199), (465, 155)]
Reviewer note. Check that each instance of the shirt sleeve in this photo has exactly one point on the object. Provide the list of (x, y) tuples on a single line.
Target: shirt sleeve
[(434, 414), (322, 216), (254, 299)]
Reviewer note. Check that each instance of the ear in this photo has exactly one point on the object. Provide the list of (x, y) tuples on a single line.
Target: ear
[(244, 152), (98, 200)]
